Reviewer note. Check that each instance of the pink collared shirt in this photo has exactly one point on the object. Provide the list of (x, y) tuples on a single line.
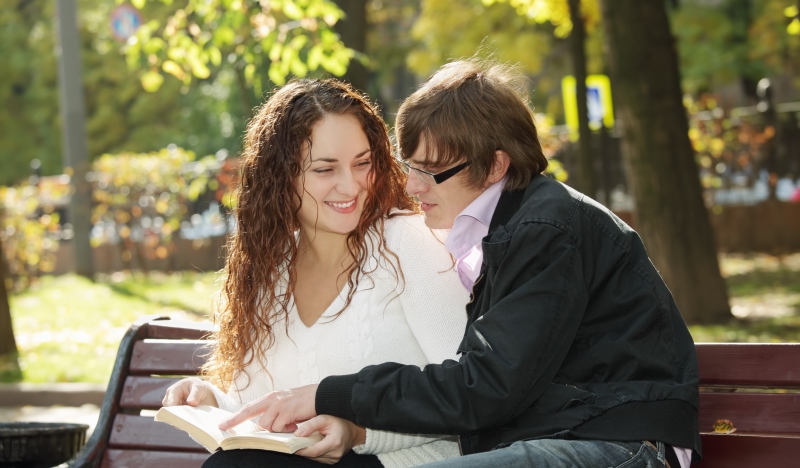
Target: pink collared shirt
[(469, 227)]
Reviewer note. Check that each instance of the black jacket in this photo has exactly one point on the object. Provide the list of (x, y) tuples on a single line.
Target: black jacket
[(571, 334)]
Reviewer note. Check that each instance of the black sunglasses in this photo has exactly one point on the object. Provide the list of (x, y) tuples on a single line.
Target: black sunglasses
[(430, 178)]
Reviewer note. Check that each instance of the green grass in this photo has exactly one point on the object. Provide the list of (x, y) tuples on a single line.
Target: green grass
[(68, 328)]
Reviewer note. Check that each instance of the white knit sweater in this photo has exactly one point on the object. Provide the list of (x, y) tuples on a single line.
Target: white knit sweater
[(416, 320)]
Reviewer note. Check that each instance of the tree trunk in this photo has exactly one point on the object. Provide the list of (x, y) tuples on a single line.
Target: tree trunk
[(8, 345), (577, 40), (353, 31), (663, 176), (73, 129)]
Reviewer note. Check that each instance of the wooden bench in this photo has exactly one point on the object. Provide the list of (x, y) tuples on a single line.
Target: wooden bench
[(754, 386), (750, 385), (153, 354)]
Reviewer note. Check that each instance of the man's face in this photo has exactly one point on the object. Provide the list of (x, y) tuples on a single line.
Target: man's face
[(441, 203)]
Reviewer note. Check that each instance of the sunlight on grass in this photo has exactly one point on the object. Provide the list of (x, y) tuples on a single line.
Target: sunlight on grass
[(765, 297), (68, 328)]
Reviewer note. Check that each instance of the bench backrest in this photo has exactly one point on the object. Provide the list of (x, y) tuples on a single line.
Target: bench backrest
[(756, 387), (153, 355)]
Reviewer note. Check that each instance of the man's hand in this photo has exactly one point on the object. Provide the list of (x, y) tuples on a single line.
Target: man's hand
[(340, 436), (280, 411)]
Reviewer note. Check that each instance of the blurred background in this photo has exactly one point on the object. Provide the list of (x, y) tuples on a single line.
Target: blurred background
[(121, 123)]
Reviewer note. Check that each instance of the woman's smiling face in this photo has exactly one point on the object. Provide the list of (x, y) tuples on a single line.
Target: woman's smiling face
[(336, 176)]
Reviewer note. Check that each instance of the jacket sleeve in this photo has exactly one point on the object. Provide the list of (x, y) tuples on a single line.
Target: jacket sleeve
[(536, 303)]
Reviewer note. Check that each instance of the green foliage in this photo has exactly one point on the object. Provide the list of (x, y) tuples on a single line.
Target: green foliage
[(121, 116), (198, 36), (793, 13), (528, 32), (719, 44), (30, 230), (449, 32)]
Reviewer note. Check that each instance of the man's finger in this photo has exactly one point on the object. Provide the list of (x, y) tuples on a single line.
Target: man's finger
[(247, 411), (311, 426), (315, 451), (283, 423)]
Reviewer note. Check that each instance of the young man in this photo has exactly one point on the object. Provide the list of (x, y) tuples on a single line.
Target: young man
[(575, 353)]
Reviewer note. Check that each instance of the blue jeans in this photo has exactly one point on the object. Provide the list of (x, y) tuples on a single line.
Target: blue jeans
[(559, 453)]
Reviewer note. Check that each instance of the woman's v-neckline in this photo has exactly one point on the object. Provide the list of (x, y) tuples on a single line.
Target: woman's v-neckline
[(338, 299)]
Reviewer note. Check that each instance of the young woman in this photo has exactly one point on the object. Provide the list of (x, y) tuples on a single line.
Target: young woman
[(330, 269)]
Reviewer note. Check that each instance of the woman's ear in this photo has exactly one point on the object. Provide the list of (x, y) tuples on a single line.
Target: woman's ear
[(499, 167)]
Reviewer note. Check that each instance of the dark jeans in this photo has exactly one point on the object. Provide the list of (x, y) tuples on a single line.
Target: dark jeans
[(267, 459)]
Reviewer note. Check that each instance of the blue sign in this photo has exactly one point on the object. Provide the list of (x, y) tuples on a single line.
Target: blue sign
[(125, 20)]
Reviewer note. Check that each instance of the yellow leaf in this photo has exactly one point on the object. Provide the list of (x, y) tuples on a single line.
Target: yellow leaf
[(173, 69), (791, 11), (151, 81), (794, 27), (724, 426)]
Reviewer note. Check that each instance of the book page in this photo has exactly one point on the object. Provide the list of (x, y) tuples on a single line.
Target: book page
[(201, 423), (285, 442)]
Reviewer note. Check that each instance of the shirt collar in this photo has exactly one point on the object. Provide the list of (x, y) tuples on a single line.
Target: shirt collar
[(472, 224)]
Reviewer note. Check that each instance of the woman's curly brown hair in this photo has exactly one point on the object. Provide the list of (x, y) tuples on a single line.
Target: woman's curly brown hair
[(262, 252)]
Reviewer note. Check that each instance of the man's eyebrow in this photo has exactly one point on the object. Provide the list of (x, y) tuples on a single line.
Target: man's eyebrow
[(424, 163), (334, 160)]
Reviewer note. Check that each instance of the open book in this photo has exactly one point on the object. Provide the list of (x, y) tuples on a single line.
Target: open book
[(201, 423)]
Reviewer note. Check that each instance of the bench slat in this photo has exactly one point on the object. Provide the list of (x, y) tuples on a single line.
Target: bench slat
[(749, 364), (748, 450), (114, 458), (776, 413), (141, 432), (178, 329), (168, 357), (144, 392)]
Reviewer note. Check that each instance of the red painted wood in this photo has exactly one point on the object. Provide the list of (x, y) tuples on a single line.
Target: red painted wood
[(114, 458), (749, 451), (749, 364), (144, 392), (143, 433), (751, 412), (178, 330), (163, 357)]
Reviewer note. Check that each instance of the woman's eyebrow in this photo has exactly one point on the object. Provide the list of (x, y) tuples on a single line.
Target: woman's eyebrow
[(334, 160)]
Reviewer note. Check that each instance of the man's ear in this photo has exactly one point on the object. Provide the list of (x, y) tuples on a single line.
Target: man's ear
[(499, 168)]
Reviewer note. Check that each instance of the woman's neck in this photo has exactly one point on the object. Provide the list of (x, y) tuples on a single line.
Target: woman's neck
[(326, 250)]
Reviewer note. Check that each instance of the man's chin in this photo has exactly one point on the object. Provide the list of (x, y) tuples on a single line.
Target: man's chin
[(434, 223)]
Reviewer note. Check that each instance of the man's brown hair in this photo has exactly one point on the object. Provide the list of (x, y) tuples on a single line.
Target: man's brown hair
[(470, 109)]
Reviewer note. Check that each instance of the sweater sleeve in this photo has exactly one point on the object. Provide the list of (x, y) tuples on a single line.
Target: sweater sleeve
[(512, 352)]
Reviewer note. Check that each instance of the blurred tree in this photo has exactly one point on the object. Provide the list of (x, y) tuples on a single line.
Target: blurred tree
[(388, 44), (198, 36), (352, 30), (563, 14), (732, 40), (9, 366), (663, 177), (141, 199), (533, 33), (203, 116)]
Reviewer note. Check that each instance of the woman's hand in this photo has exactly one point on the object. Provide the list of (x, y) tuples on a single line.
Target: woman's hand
[(341, 435), (189, 391)]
